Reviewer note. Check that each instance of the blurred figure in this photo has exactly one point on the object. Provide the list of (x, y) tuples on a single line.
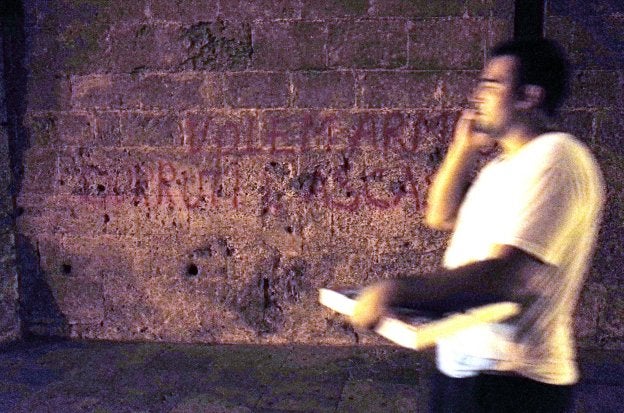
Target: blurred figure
[(523, 230)]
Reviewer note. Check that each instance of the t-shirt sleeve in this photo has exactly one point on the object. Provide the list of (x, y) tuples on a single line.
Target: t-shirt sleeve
[(540, 213)]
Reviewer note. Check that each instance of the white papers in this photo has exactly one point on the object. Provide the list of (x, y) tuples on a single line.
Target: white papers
[(417, 333)]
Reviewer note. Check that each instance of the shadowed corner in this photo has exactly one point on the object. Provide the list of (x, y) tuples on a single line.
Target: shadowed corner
[(39, 310)]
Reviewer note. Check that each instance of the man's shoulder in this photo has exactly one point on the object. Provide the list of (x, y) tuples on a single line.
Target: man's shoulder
[(559, 148)]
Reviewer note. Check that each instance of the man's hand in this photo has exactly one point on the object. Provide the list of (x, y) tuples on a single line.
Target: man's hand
[(371, 305), (466, 137)]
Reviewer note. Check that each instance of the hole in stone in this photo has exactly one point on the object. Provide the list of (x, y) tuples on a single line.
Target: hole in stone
[(66, 268), (192, 270), (106, 218), (228, 252), (289, 229), (101, 188)]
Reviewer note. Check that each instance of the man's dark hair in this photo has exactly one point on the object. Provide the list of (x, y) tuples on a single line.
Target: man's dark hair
[(541, 62)]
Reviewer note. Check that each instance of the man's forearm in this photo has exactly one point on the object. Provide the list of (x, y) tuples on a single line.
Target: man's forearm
[(449, 186), (452, 290)]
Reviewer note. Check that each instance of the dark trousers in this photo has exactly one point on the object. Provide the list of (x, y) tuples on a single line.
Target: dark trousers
[(498, 394)]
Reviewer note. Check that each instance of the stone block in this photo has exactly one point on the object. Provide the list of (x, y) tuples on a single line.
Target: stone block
[(324, 89), (592, 42), (581, 8), (80, 300), (179, 91), (48, 92), (241, 10), (368, 44), (55, 129), (284, 131), (229, 130), (139, 47), (42, 13), (67, 46), (431, 90), (395, 191), (104, 91), (77, 215), (102, 172), (153, 91), (184, 11), (226, 195), (610, 130), (256, 90), (218, 45), (590, 304), (322, 10), (594, 89), (429, 43), (289, 45), (579, 123), (422, 8), (499, 29), (107, 129), (610, 324), (150, 129), (40, 171)]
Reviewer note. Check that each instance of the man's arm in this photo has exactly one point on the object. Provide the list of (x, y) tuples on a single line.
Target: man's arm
[(453, 178), (503, 278)]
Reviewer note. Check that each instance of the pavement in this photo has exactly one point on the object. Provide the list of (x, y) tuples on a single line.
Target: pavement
[(45, 375)]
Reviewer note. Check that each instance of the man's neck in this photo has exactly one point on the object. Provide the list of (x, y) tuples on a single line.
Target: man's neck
[(520, 134)]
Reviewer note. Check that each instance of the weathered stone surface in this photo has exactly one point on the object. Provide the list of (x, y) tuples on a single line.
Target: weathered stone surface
[(289, 45), (391, 89), (591, 302), (229, 130), (324, 90), (318, 9), (421, 8), (367, 44), (185, 11), (428, 40), (594, 89), (139, 47), (610, 325), (151, 91), (242, 10), (219, 45), (194, 170), (55, 129), (48, 92), (592, 41), (256, 90)]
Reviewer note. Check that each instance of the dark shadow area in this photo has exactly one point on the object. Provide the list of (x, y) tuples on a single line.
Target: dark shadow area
[(38, 309), (15, 80), (529, 19), (66, 375)]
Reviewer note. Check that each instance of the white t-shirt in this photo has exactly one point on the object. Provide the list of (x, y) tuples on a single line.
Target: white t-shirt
[(547, 200)]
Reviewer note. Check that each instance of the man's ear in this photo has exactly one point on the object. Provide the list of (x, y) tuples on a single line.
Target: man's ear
[(530, 96)]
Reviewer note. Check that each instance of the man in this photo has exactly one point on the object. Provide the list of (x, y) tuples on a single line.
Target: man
[(523, 231)]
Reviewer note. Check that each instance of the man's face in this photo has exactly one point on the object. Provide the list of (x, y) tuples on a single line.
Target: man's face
[(494, 97)]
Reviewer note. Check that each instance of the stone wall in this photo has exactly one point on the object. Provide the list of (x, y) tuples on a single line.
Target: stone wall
[(195, 170)]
